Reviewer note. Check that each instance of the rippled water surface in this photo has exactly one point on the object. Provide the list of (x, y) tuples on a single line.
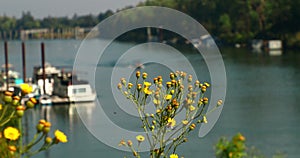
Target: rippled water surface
[(262, 100)]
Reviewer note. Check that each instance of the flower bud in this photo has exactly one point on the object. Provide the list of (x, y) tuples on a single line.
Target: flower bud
[(192, 126), (205, 101), (8, 96), (169, 108), (172, 91), (155, 80), (153, 122), (47, 127), (190, 88), (48, 140), (20, 110), (145, 75), (42, 121), (138, 74), (123, 81), (129, 86), (220, 102), (197, 83), (39, 127), (169, 84), (181, 88), (159, 78), (203, 89), (139, 87), (16, 100), (172, 76), (200, 102), (174, 83), (158, 111), (31, 103), (190, 78), (176, 106), (160, 85), (12, 148), (119, 86), (182, 74), (206, 84), (129, 143)]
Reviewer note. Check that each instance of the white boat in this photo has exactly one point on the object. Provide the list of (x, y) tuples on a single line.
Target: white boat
[(61, 84), (80, 92)]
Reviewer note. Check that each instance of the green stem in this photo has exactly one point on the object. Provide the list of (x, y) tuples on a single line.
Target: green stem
[(44, 147), (28, 146), (144, 126), (8, 119), (33, 143), (21, 136), (3, 112)]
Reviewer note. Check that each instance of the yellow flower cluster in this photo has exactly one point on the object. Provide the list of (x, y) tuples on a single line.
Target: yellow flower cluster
[(179, 95), (11, 112)]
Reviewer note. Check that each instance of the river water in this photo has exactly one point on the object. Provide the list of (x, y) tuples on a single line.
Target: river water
[(262, 100)]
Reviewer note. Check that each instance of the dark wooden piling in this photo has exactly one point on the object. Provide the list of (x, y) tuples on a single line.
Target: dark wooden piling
[(6, 64), (43, 66), (24, 61)]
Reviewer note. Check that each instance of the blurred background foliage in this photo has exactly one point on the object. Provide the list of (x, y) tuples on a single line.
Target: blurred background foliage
[(232, 21)]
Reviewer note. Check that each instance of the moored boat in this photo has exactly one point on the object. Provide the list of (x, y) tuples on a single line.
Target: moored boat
[(61, 86)]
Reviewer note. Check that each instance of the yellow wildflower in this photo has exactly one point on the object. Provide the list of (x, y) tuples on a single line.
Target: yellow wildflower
[(171, 122), (147, 91), (192, 108), (147, 84), (0, 106), (168, 97), (26, 88), (173, 156), (60, 136), (11, 133), (140, 138)]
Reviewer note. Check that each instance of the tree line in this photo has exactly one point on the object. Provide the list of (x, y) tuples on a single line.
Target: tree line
[(232, 21)]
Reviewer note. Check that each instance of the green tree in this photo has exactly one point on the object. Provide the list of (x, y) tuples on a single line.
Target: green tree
[(27, 21)]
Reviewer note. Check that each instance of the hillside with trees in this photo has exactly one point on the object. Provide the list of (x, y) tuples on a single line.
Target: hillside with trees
[(232, 21)]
